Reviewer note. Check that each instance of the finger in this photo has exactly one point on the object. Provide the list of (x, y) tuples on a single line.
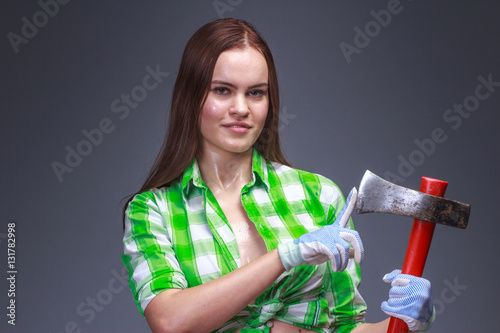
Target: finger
[(412, 285), (400, 302), (398, 292), (345, 213), (386, 307), (352, 237), (400, 281), (335, 257), (391, 309), (391, 276), (343, 256)]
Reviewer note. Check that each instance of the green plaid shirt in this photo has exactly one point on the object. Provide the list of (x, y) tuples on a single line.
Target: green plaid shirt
[(178, 237)]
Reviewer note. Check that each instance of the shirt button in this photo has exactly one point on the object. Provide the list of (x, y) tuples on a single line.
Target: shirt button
[(270, 323)]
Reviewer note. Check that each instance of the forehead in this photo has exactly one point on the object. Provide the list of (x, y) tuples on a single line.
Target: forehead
[(241, 66)]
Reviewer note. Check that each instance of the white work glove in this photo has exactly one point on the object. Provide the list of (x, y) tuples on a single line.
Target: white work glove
[(410, 299), (327, 243)]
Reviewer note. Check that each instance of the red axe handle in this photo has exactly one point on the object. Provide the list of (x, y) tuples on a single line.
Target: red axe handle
[(418, 245)]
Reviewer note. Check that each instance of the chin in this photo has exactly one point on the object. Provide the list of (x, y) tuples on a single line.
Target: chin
[(237, 149), (229, 146), (240, 150)]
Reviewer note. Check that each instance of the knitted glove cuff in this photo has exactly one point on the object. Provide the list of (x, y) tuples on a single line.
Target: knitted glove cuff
[(428, 325), (290, 255)]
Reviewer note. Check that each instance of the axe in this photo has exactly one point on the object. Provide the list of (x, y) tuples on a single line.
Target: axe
[(427, 207)]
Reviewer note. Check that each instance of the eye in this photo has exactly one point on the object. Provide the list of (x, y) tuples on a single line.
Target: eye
[(221, 90), (257, 93)]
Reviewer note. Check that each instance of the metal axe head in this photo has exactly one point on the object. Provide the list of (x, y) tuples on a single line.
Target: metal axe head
[(377, 195)]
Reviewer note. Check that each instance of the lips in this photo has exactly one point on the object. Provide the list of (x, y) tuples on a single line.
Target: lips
[(237, 126)]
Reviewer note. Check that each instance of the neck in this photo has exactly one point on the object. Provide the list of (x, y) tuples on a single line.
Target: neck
[(225, 171)]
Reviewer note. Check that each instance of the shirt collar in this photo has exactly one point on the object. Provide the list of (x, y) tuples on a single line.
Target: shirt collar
[(259, 169), (192, 175)]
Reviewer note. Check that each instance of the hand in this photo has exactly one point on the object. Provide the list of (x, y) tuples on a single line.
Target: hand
[(410, 299), (327, 243)]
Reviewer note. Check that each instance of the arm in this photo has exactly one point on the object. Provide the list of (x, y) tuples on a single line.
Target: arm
[(205, 307), (160, 287), (173, 307)]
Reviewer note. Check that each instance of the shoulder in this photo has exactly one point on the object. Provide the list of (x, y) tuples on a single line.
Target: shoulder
[(316, 184), (156, 198), (154, 194)]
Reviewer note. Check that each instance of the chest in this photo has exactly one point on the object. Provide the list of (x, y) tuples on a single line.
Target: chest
[(249, 242), (212, 236)]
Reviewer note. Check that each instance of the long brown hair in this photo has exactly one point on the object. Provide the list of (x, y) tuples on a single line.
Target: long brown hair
[(189, 94)]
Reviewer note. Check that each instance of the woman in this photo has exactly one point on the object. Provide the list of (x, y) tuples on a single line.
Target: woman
[(224, 235)]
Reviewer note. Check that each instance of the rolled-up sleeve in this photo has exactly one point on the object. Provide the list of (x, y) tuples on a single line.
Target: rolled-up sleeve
[(148, 252)]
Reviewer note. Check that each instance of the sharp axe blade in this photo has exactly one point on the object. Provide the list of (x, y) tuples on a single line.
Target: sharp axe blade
[(377, 195)]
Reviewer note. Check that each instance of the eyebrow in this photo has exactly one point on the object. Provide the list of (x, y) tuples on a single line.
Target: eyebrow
[(263, 84)]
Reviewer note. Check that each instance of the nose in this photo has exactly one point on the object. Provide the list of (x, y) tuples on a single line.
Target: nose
[(240, 105)]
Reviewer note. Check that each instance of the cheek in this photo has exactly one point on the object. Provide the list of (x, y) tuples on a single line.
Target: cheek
[(209, 113), (209, 108), (215, 107), (261, 115)]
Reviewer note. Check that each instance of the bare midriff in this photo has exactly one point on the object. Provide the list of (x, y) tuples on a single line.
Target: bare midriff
[(282, 327)]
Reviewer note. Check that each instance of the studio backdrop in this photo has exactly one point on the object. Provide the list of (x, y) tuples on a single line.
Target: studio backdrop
[(403, 88)]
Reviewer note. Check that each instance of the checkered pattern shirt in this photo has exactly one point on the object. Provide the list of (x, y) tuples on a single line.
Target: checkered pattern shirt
[(178, 237)]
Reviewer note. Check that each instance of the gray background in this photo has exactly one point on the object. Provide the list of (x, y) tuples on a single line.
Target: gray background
[(339, 119)]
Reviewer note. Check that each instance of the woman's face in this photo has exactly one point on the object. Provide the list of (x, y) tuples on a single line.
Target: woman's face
[(235, 110)]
